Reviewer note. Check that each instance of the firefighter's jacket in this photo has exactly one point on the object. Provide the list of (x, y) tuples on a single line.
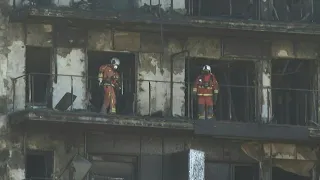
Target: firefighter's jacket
[(206, 85), (108, 76)]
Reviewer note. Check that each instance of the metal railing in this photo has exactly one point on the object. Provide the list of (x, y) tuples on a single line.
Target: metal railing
[(166, 99)]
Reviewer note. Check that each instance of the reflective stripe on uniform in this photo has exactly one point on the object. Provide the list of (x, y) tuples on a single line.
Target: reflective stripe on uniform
[(204, 94), (205, 87), (108, 84)]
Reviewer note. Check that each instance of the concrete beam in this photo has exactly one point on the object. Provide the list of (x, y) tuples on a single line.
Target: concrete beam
[(39, 35), (204, 47), (247, 25), (282, 49), (126, 41), (100, 40)]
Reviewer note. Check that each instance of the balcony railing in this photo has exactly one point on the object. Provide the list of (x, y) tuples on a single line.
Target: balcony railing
[(236, 103)]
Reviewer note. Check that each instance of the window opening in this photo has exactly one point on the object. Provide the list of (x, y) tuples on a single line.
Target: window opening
[(38, 65), (125, 96)]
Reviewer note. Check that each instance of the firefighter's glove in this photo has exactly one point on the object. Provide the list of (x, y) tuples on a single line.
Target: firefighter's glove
[(215, 96), (194, 91)]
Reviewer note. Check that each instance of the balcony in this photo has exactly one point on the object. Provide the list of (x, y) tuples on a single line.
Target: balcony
[(277, 16), (155, 102)]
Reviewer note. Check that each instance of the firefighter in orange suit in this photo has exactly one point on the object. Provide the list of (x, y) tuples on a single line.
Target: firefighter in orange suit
[(206, 90), (109, 79)]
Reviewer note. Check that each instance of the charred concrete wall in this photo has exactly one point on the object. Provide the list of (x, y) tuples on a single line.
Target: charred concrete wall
[(4, 80), (11, 152), (17, 143), (12, 55), (64, 145), (153, 151), (16, 65), (66, 142), (158, 145)]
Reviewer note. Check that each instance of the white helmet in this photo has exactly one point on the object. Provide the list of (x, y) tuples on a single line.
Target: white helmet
[(115, 62), (206, 68)]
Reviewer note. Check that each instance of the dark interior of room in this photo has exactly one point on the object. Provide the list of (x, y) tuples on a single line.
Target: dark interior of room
[(38, 60), (125, 97), (226, 171), (114, 168), (39, 165), (279, 174), (246, 172), (291, 91), (236, 95)]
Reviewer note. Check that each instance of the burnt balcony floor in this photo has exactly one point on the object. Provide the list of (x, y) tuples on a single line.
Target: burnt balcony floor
[(169, 20), (216, 129), (97, 118)]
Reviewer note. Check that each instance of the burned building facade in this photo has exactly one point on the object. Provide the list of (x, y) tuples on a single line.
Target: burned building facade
[(264, 54)]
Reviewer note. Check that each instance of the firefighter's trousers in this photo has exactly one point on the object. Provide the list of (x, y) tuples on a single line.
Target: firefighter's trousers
[(109, 100), (205, 107)]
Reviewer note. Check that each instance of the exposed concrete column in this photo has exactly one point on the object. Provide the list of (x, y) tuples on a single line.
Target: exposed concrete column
[(12, 165), (71, 70), (315, 173), (316, 97), (265, 170), (264, 90), (177, 56)]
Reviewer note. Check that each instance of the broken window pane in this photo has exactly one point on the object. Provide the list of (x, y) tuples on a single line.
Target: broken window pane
[(291, 95), (244, 9)]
